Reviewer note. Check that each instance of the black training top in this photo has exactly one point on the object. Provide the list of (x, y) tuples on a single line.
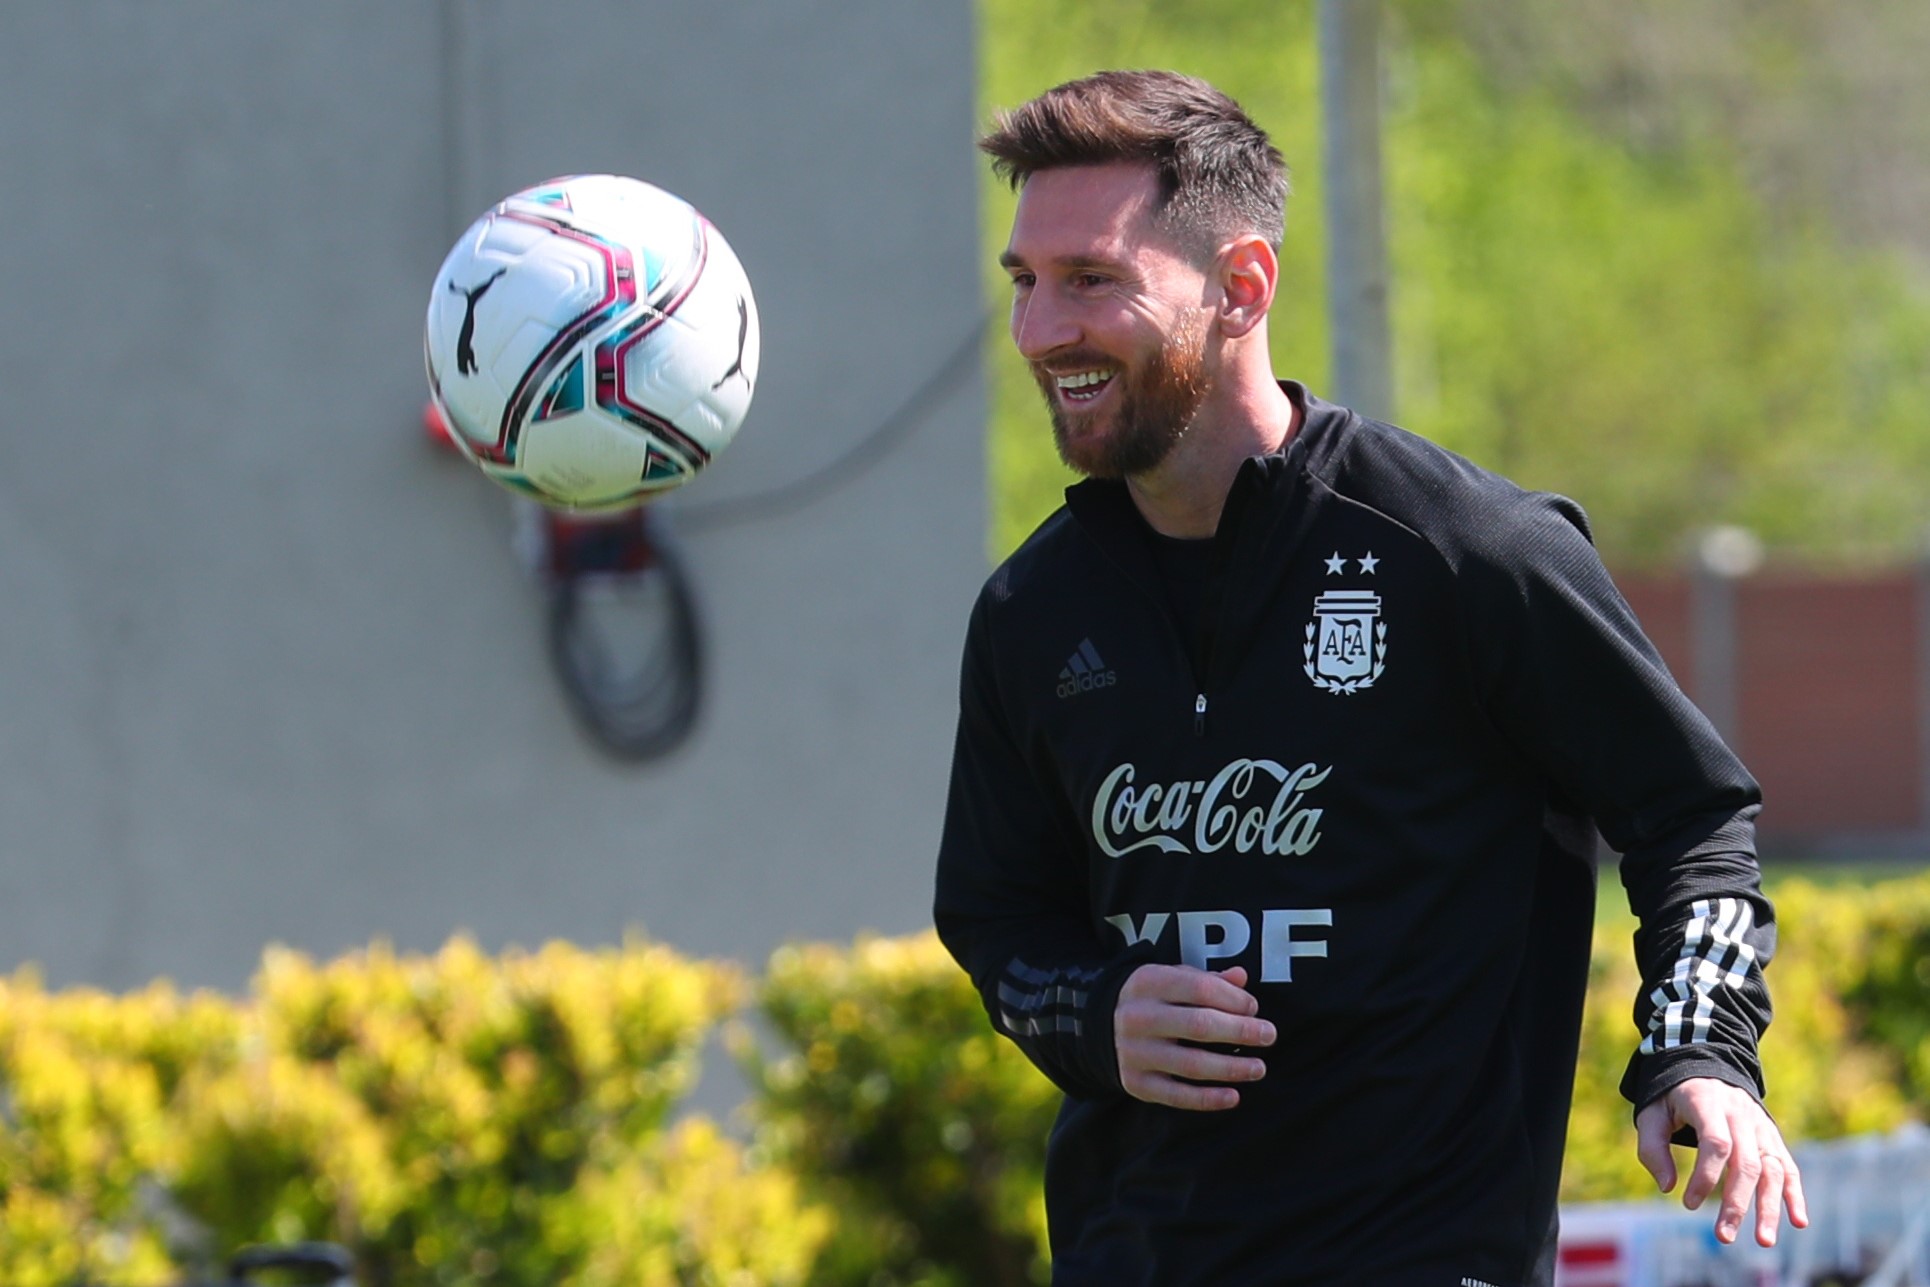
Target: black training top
[(1371, 782)]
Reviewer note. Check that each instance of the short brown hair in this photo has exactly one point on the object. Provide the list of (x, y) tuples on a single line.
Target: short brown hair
[(1219, 174)]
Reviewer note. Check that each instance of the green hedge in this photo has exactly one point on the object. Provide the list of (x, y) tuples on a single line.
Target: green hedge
[(1846, 1054), (450, 1119), (461, 1118), (897, 1106)]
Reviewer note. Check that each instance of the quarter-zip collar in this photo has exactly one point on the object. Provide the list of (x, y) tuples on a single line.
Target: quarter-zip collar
[(1268, 509)]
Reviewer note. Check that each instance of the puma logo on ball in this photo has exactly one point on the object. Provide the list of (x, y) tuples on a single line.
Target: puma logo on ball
[(465, 354)]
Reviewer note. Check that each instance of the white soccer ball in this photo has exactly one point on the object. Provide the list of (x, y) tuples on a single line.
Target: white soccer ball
[(591, 342)]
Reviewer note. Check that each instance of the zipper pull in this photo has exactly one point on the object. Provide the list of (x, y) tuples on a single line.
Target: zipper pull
[(1199, 716)]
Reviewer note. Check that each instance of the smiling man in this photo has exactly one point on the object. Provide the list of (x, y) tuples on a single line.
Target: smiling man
[(1281, 751)]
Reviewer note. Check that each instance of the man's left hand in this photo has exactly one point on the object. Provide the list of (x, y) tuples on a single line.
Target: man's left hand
[(1734, 1133)]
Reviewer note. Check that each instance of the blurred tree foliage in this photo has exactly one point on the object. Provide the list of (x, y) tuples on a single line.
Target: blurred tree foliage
[(1825, 107), (1607, 282)]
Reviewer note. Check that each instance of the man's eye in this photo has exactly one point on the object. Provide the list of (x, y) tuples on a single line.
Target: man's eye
[(1086, 281), (1021, 281)]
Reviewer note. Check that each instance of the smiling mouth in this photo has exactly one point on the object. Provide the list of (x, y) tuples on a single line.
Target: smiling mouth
[(1082, 386)]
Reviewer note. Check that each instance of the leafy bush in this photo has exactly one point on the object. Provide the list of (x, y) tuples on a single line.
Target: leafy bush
[(441, 1104), (692, 1212), (1849, 986), (460, 1118), (85, 1078), (898, 1105), (450, 1119)]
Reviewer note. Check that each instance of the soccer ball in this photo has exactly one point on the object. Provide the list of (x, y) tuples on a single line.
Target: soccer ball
[(591, 342)]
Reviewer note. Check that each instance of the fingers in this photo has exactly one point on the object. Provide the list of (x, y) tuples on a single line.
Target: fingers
[(1793, 1199), (1184, 985), (1161, 1020), (1760, 1168), (1652, 1130), (1738, 1148), (1711, 1155), (1165, 1015), (1720, 1151), (1174, 1003), (1170, 1058), (1154, 1088), (1168, 1073), (1781, 1187), (1769, 1195)]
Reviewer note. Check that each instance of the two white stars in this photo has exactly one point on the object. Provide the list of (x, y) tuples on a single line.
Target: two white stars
[(1336, 565)]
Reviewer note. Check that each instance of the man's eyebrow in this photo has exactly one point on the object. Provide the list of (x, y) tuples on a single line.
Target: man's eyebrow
[(1075, 262)]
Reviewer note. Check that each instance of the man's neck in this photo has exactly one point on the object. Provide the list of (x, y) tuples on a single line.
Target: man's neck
[(1183, 497)]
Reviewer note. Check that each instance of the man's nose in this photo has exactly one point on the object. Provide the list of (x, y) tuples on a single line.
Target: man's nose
[(1040, 326)]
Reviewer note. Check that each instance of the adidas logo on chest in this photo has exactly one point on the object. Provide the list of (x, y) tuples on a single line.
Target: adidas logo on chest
[(1084, 672)]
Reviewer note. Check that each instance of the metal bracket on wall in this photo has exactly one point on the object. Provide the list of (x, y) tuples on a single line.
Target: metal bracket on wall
[(623, 633)]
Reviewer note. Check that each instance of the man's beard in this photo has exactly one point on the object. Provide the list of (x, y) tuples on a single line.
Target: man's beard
[(1156, 405)]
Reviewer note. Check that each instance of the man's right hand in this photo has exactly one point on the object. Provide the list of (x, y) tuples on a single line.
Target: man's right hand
[(1162, 1006)]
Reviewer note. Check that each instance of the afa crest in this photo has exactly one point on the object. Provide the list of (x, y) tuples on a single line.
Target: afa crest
[(1346, 648)]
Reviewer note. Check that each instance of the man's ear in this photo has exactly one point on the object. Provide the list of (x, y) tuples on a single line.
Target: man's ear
[(1249, 270)]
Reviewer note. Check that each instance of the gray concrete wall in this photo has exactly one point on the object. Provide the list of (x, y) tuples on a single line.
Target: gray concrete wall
[(270, 670)]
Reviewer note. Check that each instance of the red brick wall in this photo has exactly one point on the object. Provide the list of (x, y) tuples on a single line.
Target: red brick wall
[(1827, 696)]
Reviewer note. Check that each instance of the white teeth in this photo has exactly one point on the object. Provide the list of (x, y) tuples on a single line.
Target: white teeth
[(1084, 379)]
